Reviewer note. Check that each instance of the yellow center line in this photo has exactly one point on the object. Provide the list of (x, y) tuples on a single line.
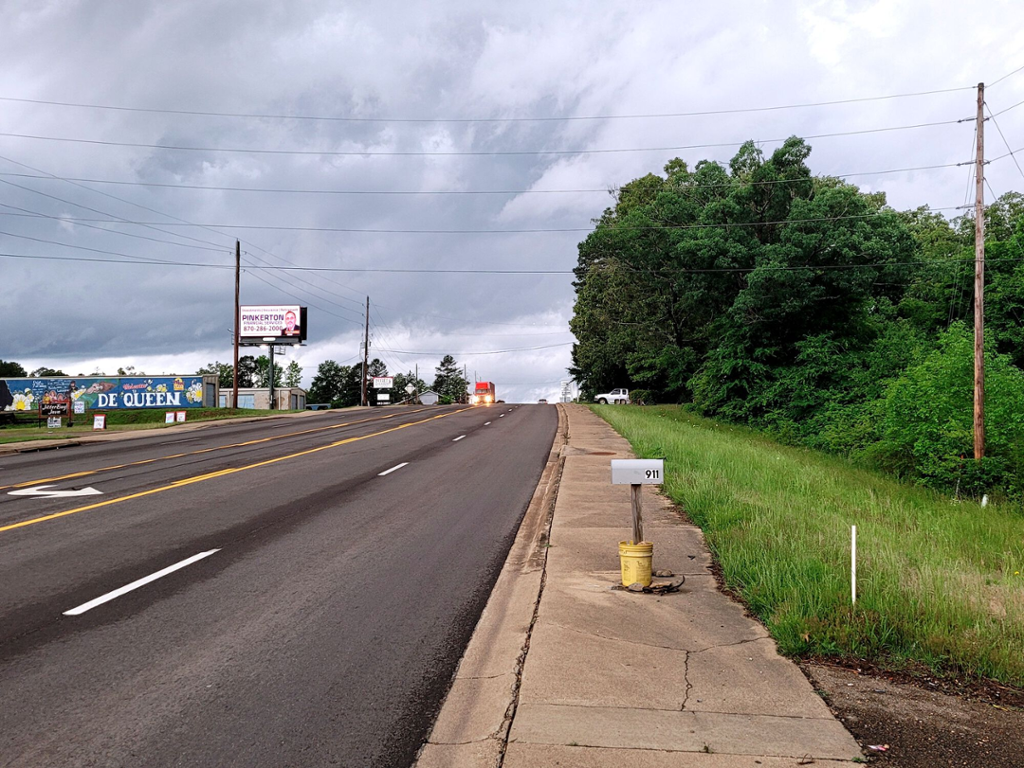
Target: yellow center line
[(220, 473), (86, 473)]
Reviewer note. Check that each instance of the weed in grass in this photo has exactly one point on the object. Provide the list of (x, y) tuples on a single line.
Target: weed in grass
[(938, 583)]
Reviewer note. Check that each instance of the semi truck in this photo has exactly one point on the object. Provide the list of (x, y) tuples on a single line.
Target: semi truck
[(483, 394)]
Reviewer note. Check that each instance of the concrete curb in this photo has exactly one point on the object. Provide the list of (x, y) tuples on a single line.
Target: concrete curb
[(473, 724)]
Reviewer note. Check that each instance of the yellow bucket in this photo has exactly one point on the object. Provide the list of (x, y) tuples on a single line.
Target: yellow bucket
[(635, 560)]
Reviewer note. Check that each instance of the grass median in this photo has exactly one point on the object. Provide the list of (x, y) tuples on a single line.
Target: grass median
[(940, 581)]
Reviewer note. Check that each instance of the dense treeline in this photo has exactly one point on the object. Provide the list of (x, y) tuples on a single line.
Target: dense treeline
[(762, 294)]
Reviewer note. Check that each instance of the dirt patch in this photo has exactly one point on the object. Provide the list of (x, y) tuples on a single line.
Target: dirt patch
[(926, 722)]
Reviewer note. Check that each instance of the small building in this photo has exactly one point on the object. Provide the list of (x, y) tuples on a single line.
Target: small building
[(430, 397), (285, 398)]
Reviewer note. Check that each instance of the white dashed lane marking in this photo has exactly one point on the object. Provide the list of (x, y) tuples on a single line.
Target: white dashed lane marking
[(393, 469), (136, 584)]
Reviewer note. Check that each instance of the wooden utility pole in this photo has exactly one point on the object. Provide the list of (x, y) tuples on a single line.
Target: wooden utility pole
[(238, 311), (366, 348), (979, 284)]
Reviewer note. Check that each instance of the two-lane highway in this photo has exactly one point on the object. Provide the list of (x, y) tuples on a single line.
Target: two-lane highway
[(290, 592)]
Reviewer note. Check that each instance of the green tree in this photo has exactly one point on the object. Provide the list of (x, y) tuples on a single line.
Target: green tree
[(449, 382), (47, 372), (262, 373), (225, 373), (329, 383), (293, 374), (402, 380), (247, 371), (10, 369)]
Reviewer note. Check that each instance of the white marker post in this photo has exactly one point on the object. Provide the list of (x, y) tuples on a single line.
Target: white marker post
[(853, 563), (635, 473)]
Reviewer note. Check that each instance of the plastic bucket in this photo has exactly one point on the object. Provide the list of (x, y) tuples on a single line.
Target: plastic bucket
[(635, 560)]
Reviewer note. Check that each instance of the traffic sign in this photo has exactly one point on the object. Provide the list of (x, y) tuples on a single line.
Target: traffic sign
[(409, 389)]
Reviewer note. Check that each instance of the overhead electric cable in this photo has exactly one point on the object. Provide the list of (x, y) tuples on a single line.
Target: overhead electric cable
[(545, 118), (135, 235), (992, 117), (458, 153), (487, 352), (1008, 74), (1004, 111), (601, 190), (533, 230), (674, 270)]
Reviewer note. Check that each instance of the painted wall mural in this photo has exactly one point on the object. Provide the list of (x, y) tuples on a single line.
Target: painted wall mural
[(103, 393)]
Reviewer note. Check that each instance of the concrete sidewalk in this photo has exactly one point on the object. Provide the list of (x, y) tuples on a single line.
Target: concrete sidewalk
[(586, 675)]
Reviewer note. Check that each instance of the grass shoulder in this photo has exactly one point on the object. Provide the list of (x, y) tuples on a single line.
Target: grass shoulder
[(940, 582), (120, 421)]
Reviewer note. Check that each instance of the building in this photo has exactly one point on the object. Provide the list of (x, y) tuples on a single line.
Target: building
[(430, 397), (285, 398)]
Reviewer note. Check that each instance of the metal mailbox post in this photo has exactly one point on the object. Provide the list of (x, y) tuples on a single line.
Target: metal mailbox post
[(634, 473)]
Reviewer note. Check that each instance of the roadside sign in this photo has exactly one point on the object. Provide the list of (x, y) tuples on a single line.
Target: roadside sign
[(169, 417), (53, 422), (409, 389), (54, 408), (79, 407), (181, 417), (638, 471), (383, 382), (99, 421), (383, 397)]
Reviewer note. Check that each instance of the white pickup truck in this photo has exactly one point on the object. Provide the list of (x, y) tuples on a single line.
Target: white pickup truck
[(616, 396)]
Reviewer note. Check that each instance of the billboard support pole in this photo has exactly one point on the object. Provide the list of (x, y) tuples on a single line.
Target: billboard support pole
[(272, 376), (238, 310)]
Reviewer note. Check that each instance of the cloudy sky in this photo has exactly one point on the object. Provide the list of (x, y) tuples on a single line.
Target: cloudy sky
[(426, 136)]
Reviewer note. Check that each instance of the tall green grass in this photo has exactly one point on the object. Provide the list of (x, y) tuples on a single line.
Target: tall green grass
[(940, 582)]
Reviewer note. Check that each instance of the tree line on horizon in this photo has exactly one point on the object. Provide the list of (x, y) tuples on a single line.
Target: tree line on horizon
[(759, 293)]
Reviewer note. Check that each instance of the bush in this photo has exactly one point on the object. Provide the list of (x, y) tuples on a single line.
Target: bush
[(928, 417)]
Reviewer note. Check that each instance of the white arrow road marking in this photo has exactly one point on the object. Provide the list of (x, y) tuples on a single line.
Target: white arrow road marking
[(136, 584), (39, 491), (458, 438), (393, 469)]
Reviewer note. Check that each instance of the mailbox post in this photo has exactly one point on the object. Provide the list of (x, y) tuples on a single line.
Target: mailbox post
[(635, 473)]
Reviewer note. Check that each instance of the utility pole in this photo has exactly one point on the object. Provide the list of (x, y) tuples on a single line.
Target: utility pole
[(238, 310), (979, 284), (366, 348)]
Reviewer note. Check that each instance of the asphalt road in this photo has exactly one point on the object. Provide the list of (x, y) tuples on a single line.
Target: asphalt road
[(321, 608)]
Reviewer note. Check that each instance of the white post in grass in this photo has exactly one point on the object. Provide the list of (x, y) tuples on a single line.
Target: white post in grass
[(853, 563)]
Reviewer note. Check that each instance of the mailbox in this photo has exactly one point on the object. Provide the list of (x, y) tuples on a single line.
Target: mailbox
[(638, 471)]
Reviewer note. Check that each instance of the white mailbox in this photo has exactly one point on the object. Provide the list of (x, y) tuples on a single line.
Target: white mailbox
[(638, 471)]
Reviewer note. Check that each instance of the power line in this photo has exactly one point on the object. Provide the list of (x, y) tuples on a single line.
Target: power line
[(137, 236), (139, 259), (1004, 111), (94, 210), (531, 230), (487, 352), (603, 190), (460, 153), (1003, 137), (1008, 74), (546, 118), (672, 270)]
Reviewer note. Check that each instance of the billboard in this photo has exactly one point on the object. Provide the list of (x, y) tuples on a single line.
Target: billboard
[(50, 395), (282, 322)]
